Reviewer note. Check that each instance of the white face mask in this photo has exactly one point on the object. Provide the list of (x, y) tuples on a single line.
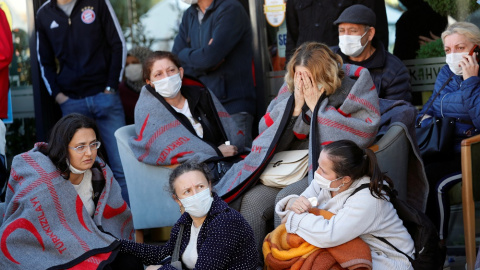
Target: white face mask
[(199, 204), (325, 183), (190, 2), (133, 72), (168, 87), (453, 61), (351, 45), (74, 170)]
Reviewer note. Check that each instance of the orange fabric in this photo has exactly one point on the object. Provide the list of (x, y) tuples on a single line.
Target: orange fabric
[(284, 250)]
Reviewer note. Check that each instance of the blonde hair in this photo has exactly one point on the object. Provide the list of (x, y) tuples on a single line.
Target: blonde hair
[(324, 65), (469, 30)]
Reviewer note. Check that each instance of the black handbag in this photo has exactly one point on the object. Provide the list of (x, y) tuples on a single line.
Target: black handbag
[(435, 134)]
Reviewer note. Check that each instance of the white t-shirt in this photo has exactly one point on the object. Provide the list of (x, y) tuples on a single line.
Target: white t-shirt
[(190, 255), (186, 111), (85, 191)]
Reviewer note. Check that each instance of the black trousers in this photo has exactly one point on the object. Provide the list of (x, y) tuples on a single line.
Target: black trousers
[(441, 175)]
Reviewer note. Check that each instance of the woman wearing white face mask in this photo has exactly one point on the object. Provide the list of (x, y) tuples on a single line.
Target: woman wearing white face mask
[(67, 195), (214, 236), (129, 89), (343, 167), (460, 99), (190, 119)]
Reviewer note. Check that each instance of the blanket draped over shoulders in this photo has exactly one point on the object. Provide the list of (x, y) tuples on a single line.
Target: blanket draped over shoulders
[(351, 112), (284, 250), (44, 224), (162, 139)]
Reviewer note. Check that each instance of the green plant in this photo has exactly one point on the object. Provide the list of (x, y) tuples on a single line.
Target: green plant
[(458, 9), (431, 49)]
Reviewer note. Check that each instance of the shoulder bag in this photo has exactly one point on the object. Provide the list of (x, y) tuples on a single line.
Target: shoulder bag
[(435, 134), (285, 168)]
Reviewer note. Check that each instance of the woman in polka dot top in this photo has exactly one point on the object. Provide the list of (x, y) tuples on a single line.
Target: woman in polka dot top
[(214, 235)]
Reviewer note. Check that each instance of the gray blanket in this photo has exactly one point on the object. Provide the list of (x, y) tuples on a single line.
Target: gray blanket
[(352, 113), (45, 226), (162, 139)]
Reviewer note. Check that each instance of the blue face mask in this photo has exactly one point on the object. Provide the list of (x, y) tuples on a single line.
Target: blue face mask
[(199, 204)]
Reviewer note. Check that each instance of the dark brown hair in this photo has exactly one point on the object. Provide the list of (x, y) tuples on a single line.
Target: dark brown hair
[(61, 135), (187, 167), (158, 55), (350, 160)]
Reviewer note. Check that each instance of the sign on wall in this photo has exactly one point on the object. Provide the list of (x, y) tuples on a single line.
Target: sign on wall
[(274, 12)]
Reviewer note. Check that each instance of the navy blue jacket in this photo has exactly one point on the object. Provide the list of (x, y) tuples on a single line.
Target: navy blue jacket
[(225, 242), (225, 65), (89, 47), (459, 99), (389, 74)]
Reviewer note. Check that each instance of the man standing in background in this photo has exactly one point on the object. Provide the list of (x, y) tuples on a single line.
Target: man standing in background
[(214, 44), (81, 51)]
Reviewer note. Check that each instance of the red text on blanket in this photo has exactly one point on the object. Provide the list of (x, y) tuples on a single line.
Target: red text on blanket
[(46, 227)]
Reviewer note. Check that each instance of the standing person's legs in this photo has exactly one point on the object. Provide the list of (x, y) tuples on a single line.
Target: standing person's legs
[(108, 114), (244, 122)]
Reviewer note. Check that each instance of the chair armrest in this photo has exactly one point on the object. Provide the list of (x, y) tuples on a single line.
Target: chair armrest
[(469, 141)]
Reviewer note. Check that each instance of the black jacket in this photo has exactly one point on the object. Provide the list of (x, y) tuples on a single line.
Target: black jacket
[(203, 110), (89, 47), (312, 20), (389, 74)]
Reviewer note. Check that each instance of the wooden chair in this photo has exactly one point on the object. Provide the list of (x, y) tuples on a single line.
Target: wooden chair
[(470, 176)]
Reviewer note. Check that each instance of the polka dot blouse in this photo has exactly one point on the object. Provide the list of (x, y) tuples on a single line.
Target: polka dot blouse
[(225, 241)]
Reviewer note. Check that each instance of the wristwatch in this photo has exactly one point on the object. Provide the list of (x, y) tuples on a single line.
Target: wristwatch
[(110, 90)]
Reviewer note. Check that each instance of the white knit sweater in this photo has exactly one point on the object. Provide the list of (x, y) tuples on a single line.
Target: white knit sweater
[(361, 215)]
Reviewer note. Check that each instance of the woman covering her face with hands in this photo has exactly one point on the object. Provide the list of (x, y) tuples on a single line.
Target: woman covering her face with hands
[(214, 235), (178, 122), (321, 101), (342, 168)]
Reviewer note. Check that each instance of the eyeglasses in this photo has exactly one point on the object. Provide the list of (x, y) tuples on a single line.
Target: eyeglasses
[(83, 148)]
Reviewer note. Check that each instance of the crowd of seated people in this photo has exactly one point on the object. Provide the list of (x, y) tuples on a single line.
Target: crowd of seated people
[(62, 196)]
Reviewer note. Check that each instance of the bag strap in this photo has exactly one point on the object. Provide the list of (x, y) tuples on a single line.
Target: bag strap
[(394, 247), (436, 95), (363, 186), (178, 243)]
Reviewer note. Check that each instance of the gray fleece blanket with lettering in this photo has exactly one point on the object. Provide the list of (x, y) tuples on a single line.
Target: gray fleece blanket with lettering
[(351, 112), (44, 225), (162, 139)]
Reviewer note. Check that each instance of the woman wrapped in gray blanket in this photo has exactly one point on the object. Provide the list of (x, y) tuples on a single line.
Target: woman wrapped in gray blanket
[(175, 123), (320, 102)]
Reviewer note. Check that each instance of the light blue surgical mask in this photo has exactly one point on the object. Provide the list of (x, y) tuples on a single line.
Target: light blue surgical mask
[(199, 204)]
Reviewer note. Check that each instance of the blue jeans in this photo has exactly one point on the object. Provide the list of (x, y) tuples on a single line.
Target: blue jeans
[(244, 122), (107, 111)]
